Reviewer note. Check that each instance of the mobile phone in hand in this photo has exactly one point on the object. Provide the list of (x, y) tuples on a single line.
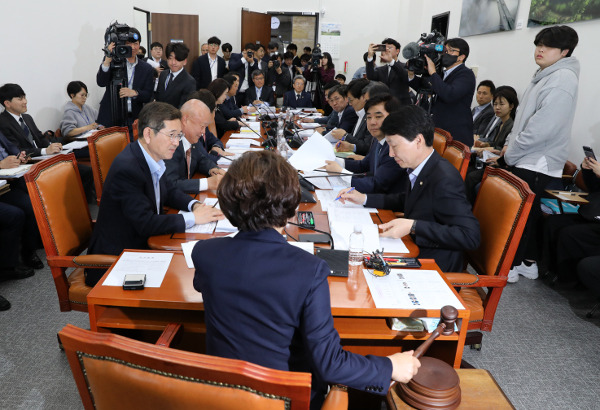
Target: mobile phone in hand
[(589, 152)]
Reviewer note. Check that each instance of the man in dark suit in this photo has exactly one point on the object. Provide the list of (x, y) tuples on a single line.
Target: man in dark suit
[(175, 84), (259, 93), (187, 159), (484, 112), (359, 140), (137, 89), (244, 64), (343, 117), (209, 66), (382, 173), (436, 212), (135, 193), (453, 93), (297, 98), (392, 73)]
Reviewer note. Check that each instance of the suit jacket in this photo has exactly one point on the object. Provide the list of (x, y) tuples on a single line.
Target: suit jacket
[(483, 119), (387, 177), (282, 315), (281, 81), (143, 83), (236, 63), (397, 79), (230, 109), (266, 95), (445, 224), (201, 70), (10, 148), (223, 124), (362, 138), (177, 91), (127, 216), (205, 146), (289, 100), (177, 172), (349, 119), (452, 107), (14, 133)]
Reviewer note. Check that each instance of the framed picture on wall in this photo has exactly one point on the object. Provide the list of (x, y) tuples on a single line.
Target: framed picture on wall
[(482, 17), (545, 12)]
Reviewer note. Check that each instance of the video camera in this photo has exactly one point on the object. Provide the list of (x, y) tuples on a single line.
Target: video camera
[(315, 60), (431, 45), (120, 34)]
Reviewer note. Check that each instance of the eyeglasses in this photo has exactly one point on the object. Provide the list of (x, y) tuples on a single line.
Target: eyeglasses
[(449, 50), (172, 138)]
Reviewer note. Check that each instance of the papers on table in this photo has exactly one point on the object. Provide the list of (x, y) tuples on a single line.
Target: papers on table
[(329, 137), (153, 264), (312, 154), (15, 172), (76, 145), (86, 134), (310, 125), (411, 289), (204, 228), (306, 133), (327, 199), (223, 225), (43, 157), (242, 143), (307, 246), (252, 125), (488, 155), (187, 248), (392, 245), (341, 232)]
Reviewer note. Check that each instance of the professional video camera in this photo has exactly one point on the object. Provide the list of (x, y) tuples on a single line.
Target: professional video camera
[(120, 34), (316, 56), (430, 45)]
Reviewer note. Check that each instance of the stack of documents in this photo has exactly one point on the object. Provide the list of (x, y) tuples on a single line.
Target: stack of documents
[(76, 145), (242, 143), (15, 172), (223, 225), (312, 154)]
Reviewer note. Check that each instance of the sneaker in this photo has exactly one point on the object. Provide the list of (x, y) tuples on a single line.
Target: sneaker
[(530, 272), (513, 276)]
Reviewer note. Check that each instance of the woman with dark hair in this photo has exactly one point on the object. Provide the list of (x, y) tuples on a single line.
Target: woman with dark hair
[(219, 88), (77, 117), (266, 301), (505, 103), (327, 69)]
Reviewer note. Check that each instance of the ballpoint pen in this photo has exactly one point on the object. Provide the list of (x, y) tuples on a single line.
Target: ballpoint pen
[(350, 190)]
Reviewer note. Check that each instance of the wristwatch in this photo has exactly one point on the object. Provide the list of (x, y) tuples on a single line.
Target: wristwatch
[(413, 227)]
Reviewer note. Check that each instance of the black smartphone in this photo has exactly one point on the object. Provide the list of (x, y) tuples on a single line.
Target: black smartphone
[(589, 152), (134, 281), (379, 47)]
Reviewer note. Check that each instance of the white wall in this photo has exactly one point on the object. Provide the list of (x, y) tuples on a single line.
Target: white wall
[(60, 41)]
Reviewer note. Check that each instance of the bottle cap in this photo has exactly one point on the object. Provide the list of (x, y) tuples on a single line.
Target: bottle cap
[(358, 228)]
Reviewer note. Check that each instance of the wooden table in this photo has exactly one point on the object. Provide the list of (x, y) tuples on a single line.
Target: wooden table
[(576, 198), (479, 390), (362, 327)]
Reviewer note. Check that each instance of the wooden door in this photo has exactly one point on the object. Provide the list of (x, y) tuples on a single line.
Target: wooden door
[(177, 27), (256, 28)]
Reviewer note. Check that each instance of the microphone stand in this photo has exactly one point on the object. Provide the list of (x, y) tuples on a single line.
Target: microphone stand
[(315, 230)]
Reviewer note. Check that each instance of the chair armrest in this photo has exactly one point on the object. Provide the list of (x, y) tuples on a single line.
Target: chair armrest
[(468, 280), (82, 261), (169, 334), (337, 398)]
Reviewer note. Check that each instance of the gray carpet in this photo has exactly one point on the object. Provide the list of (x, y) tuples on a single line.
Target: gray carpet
[(542, 351)]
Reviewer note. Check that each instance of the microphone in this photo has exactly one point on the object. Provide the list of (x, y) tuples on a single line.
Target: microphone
[(262, 117), (362, 174), (411, 50), (316, 230), (304, 183), (251, 129)]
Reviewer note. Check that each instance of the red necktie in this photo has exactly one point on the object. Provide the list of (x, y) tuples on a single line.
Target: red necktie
[(188, 159)]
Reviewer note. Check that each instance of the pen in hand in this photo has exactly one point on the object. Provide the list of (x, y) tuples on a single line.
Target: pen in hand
[(350, 190)]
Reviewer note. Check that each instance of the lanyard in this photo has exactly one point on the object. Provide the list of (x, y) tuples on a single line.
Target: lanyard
[(85, 117)]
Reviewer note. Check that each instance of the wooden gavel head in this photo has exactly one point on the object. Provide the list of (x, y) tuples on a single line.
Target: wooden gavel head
[(448, 316)]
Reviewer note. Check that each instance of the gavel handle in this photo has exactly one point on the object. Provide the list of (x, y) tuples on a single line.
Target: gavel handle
[(420, 351)]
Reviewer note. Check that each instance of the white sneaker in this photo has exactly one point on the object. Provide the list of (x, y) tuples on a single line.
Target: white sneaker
[(530, 272), (513, 276)]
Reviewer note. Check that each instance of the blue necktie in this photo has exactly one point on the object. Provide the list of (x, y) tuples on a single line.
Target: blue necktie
[(377, 152), (412, 177), (169, 82), (26, 130)]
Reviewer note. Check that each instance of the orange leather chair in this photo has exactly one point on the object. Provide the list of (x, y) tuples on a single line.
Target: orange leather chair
[(501, 207), (65, 225), (114, 372), (441, 138), (459, 155), (104, 146), (134, 130)]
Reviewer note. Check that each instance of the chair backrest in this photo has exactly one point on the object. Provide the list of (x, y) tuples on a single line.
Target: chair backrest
[(501, 207), (114, 372), (459, 155), (60, 205), (104, 146), (441, 138), (134, 130)]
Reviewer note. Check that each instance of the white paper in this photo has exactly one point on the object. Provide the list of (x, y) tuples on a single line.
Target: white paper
[(43, 157), (3, 182), (327, 200), (203, 228), (312, 154), (251, 125), (352, 216), (341, 232), (76, 145), (223, 225), (321, 182), (411, 289), (391, 245), (488, 155), (242, 143), (244, 134), (306, 133), (339, 182), (307, 246), (187, 248), (329, 137), (15, 172), (310, 125), (86, 134), (153, 265)]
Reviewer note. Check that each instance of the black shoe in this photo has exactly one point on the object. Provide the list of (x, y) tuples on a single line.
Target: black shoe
[(31, 259), (4, 304), (19, 272)]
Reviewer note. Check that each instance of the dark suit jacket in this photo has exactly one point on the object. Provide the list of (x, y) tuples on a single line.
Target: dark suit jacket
[(176, 173), (230, 109), (14, 133), (236, 63), (10, 148), (362, 138), (281, 317), (349, 119), (266, 95), (223, 124), (176, 92), (452, 107), (289, 100), (388, 177), (282, 81), (143, 83), (201, 70), (205, 146), (445, 224), (397, 79), (127, 216), (483, 119)]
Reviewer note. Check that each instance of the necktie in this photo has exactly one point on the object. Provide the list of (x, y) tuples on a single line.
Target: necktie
[(188, 160), (26, 130), (156, 182), (412, 177), (170, 80), (297, 97), (377, 152)]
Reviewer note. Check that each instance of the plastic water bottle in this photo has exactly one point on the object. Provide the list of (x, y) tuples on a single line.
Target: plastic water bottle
[(282, 146), (355, 256)]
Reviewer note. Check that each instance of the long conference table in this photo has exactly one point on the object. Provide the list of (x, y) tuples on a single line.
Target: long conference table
[(363, 328)]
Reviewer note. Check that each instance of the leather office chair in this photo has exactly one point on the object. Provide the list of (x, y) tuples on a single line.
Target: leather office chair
[(104, 146), (115, 372), (441, 138), (501, 207), (134, 130), (459, 155), (64, 221)]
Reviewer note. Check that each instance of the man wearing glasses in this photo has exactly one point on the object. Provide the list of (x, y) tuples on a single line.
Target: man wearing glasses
[(135, 193), (209, 66), (453, 90)]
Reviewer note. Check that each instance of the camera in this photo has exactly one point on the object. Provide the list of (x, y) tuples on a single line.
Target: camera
[(315, 60), (430, 45), (275, 62), (250, 53), (120, 34)]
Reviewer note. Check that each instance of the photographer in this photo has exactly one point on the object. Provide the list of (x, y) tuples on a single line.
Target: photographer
[(454, 91), (278, 78), (244, 64), (392, 73), (320, 71), (138, 85)]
